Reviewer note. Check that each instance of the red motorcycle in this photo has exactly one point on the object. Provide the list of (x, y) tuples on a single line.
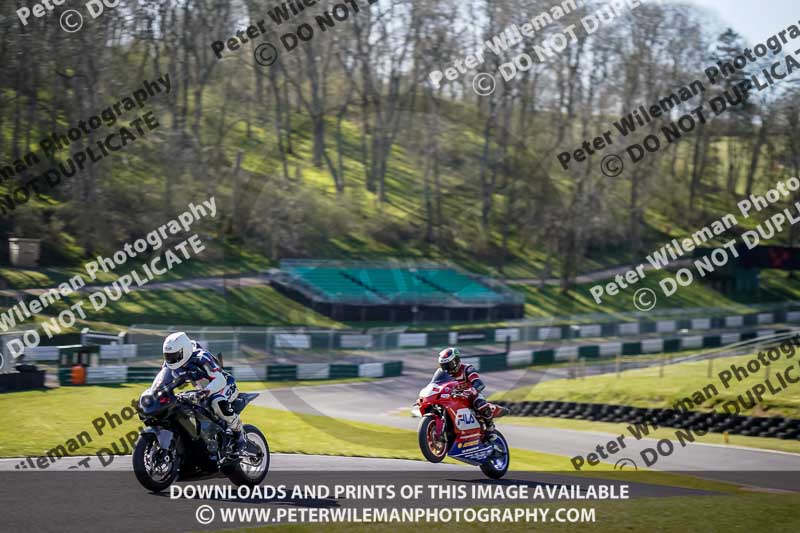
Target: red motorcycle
[(451, 427)]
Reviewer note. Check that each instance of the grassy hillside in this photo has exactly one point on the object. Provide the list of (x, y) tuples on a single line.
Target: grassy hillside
[(304, 216), (222, 260), (255, 306), (776, 286)]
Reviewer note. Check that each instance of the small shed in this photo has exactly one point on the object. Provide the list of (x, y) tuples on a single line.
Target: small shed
[(24, 252)]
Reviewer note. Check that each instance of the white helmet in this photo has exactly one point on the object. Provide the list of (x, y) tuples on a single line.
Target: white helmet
[(450, 360), (177, 349)]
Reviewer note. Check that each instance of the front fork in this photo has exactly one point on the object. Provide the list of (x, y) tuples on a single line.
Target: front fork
[(439, 421), (162, 441)]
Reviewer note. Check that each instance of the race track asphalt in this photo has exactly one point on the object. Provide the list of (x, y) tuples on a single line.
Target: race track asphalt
[(387, 402), (110, 498), (62, 498)]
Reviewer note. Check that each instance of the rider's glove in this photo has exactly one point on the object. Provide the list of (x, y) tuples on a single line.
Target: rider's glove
[(464, 390)]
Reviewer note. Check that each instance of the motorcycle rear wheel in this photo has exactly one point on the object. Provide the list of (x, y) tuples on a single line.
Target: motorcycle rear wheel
[(434, 451), (144, 475), (250, 474)]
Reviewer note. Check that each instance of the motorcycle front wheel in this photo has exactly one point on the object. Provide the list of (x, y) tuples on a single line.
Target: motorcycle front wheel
[(496, 465), (252, 468), (434, 450), (154, 468)]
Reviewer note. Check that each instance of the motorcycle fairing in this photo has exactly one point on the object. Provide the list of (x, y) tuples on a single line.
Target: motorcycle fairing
[(242, 400), (469, 449), (161, 436)]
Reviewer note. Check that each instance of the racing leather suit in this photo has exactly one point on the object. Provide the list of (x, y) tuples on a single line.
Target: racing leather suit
[(467, 375), (204, 372)]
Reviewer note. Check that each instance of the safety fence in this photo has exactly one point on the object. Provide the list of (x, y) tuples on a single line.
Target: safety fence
[(545, 356), (99, 374), (113, 374), (237, 341), (96, 353)]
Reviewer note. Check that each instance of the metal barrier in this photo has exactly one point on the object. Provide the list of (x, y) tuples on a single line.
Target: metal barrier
[(108, 374), (244, 341)]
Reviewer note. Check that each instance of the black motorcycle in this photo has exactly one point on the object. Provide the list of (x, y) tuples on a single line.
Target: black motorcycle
[(183, 441)]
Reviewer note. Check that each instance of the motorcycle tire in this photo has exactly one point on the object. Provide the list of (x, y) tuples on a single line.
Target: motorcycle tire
[(427, 426), (240, 476), (140, 470), (497, 470)]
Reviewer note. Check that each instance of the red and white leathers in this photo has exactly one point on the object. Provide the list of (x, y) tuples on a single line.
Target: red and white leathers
[(467, 375)]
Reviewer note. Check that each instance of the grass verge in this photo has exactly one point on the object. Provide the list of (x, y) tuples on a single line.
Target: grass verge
[(763, 443), (46, 419), (645, 387)]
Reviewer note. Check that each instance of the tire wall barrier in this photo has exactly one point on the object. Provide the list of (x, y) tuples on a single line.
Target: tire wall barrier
[(753, 426)]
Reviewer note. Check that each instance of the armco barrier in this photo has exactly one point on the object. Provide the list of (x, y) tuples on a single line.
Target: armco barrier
[(106, 374), (523, 358), (281, 372), (341, 371), (141, 373), (228, 340), (392, 368), (482, 363), (307, 371)]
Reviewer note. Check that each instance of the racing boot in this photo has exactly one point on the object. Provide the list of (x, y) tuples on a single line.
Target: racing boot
[(491, 436), (238, 443), (485, 412), (236, 434)]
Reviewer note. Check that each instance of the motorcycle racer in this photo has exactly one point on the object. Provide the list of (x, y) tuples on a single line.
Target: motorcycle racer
[(450, 362), (187, 359)]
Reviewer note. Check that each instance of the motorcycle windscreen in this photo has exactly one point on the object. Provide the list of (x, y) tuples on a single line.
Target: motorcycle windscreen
[(440, 376), (165, 377)]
